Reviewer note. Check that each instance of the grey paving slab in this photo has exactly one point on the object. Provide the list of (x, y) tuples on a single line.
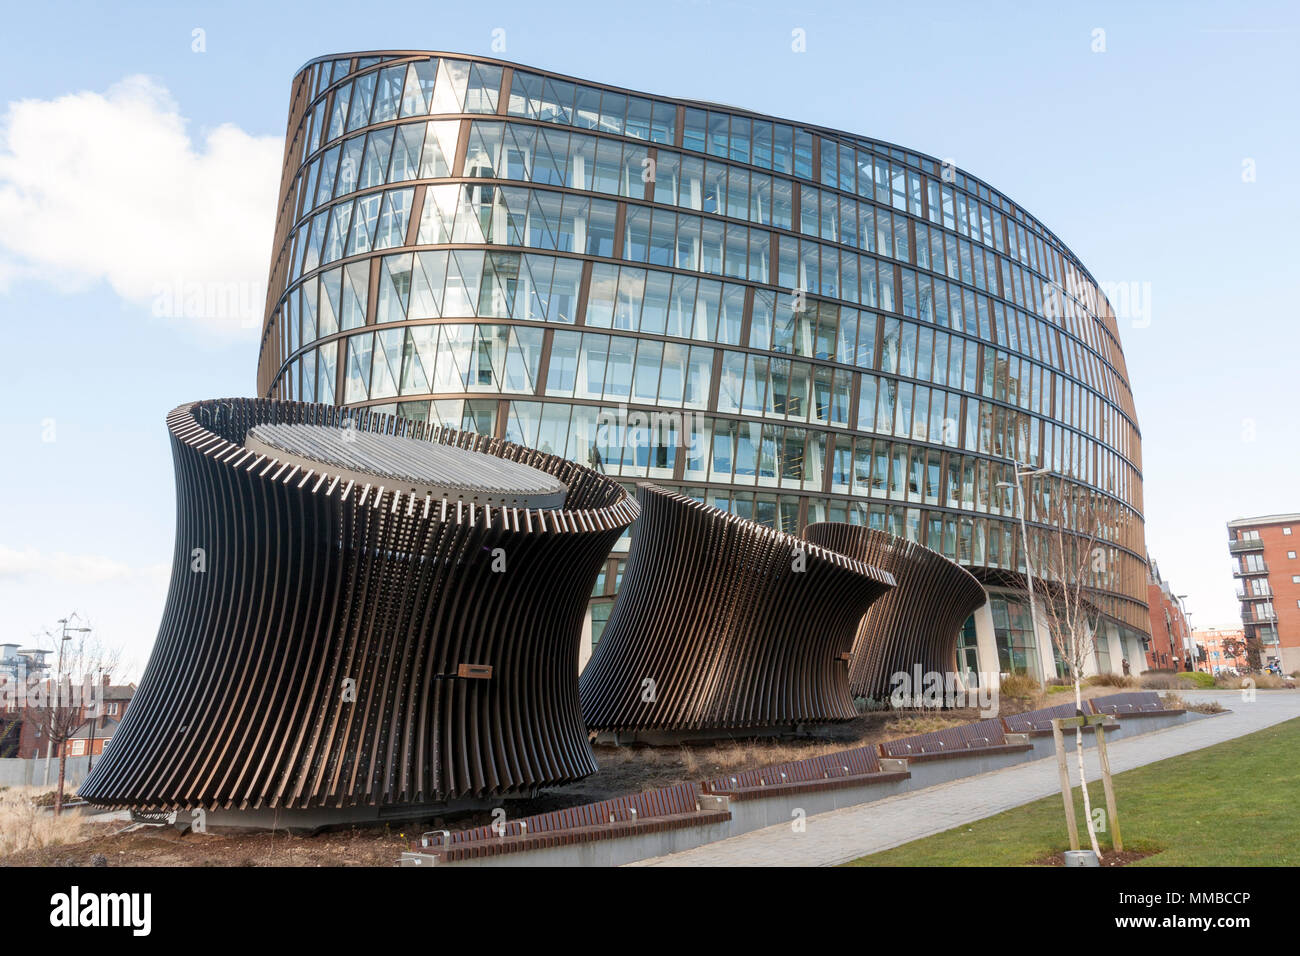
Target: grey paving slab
[(849, 833)]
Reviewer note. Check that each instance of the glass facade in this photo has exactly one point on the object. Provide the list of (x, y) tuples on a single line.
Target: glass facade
[(792, 323), (1014, 635), (968, 663)]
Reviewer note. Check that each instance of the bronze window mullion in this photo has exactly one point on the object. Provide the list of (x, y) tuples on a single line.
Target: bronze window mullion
[(462, 148), (543, 363)]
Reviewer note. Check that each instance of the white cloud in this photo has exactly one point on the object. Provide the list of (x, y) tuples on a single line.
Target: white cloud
[(71, 568), (112, 186), (122, 602)]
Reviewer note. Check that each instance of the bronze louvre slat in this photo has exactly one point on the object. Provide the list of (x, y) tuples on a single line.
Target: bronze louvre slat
[(357, 648), (737, 627), (917, 622)]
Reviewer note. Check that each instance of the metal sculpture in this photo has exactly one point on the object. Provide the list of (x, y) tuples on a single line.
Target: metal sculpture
[(724, 626), (915, 624), (330, 641)]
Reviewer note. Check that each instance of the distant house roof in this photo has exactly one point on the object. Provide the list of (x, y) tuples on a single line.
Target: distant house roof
[(1263, 519), (103, 728), (119, 691)]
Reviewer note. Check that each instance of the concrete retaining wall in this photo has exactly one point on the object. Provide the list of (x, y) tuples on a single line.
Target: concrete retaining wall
[(1129, 726), (755, 813), (641, 846)]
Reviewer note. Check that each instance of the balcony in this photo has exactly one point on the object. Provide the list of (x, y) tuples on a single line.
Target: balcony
[(1260, 620), (1248, 544), (1255, 595)]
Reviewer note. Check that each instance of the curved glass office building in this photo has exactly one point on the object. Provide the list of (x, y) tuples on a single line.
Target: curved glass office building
[(792, 323)]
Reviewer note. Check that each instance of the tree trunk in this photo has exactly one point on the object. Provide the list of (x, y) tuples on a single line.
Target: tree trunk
[(63, 773), (1083, 779)]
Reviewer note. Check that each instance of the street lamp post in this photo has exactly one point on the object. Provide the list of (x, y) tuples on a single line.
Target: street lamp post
[(1048, 665), (58, 687), (1188, 644)]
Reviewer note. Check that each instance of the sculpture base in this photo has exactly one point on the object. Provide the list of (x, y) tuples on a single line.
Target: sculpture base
[(316, 819), (674, 738)]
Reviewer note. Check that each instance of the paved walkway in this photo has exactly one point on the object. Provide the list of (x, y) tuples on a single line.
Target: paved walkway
[(847, 834)]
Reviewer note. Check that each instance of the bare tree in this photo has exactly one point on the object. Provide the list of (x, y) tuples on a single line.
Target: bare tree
[(1254, 653), (62, 704), (1072, 560), (1235, 648)]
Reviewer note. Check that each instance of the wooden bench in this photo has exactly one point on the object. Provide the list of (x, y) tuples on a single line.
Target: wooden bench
[(668, 808), (1038, 723), (980, 737), (1146, 703), (833, 771)]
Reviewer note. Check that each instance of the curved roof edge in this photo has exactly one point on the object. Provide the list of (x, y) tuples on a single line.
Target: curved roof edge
[(1263, 519), (813, 127)]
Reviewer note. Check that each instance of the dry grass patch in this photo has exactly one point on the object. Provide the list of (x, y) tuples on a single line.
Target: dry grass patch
[(26, 824), (1259, 681), (1114, 680), (1165, 682), (905, 725)]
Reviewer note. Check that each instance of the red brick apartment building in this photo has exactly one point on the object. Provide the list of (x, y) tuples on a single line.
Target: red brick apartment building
[(1169, 630), (21, 736), (1223, 646), (1267, 570)]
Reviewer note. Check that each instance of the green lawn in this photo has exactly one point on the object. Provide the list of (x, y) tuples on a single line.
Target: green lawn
[(1233, 804)]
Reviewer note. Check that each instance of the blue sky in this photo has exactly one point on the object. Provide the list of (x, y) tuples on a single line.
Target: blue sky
[(1134, 156)]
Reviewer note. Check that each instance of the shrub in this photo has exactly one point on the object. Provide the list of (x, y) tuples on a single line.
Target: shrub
[(1020, 685), (1114, 680), (1166, 681), (1201, 679), (1208, 707)]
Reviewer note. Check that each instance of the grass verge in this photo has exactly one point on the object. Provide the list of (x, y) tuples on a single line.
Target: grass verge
[(1232, 804)]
